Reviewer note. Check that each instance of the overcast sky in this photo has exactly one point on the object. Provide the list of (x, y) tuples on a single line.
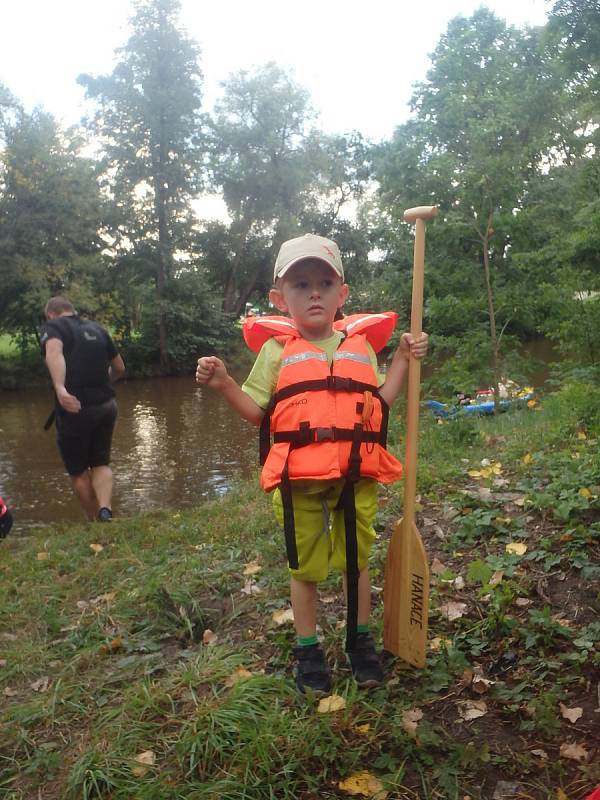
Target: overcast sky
[(358, 60)]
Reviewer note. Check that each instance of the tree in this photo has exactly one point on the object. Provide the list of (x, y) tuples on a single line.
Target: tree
[(279, 177), (150, 128), (50, 216), (491, 109)]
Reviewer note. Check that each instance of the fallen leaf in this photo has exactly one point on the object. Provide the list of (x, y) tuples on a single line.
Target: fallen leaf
[(108, 597), (43, 556), (527, 458), (471, 709), (41, 685), (363, 783), (585, 492), (241, 674), (480, 685), (437, 567), (496, 578), (251, 568), (459, 582), (8, 692), (572, 714), (208, 637), (329, 599), (2, 662), (560, 795), (574, 751), (506, 789), (438, 642), (331, 703), (539, 753), (453, 610), (523, 602), (517, 548), (581, 435), (474, 473), (282, 616), (410, 719), (363, 728), (250, 587), (96, 548), (144, 760)]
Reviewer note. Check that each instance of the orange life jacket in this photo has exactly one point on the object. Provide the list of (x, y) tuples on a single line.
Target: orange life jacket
[(326, 422)]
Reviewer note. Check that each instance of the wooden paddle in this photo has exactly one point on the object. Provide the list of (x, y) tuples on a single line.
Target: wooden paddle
[(406, 587)]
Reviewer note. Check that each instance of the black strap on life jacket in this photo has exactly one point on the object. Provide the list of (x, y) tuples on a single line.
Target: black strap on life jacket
[(289, 525), (348, 504)]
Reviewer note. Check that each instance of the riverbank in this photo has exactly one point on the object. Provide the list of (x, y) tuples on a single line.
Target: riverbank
[(150, 658)]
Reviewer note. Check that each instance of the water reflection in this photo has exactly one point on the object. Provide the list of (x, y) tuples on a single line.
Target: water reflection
[(175, 444)]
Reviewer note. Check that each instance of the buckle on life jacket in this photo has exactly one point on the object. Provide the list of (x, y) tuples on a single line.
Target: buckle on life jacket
[(324, 434), (339, 384)]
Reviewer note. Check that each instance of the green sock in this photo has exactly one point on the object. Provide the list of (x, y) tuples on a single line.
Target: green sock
[(306, 641), (362, 628)]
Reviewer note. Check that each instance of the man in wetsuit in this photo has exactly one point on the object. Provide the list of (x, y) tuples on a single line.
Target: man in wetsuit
[(83, 362)]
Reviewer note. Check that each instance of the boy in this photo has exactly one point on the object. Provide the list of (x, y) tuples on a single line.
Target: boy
[(314, 386)]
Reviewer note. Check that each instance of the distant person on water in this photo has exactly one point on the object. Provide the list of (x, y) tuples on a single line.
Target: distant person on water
[(83, 363), (316, 389)]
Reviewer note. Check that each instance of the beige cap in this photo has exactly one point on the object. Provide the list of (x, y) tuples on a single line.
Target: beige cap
[(308, 246)]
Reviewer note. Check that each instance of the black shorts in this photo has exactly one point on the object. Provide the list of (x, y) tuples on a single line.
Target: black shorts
[(84, 439)]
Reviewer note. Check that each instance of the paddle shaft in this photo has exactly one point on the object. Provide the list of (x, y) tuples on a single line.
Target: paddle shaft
[(414, 378)]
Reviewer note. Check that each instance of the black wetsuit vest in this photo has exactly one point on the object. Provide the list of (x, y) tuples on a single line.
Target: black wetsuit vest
[(88, 351)]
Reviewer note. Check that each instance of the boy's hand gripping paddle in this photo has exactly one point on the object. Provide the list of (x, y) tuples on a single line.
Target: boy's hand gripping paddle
[(406, 587)]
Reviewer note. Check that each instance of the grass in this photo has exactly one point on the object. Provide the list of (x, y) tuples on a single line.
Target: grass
[(110, 688)]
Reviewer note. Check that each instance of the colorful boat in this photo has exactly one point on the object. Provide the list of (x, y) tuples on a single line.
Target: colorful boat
[(481, 405)]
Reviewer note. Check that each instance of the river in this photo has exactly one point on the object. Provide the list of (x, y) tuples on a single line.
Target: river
[(175, 443)]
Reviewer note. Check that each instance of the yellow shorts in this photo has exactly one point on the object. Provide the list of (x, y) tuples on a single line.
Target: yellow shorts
[(320, 531)]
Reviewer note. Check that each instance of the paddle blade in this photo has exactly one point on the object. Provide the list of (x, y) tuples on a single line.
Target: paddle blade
[(406, 595)]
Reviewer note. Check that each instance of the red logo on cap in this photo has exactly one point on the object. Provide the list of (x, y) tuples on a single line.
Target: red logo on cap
[(330, 251)]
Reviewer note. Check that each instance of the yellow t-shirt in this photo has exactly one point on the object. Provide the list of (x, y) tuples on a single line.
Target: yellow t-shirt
[(262, 380)]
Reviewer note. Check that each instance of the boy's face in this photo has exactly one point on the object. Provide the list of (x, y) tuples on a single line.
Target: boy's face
[(311, 293)]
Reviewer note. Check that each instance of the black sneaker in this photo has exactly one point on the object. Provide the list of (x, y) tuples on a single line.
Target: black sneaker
[(365, 663), (104, 514), (312, 671)]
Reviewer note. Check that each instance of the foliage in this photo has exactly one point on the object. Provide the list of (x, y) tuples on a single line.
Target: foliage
[(149, 126), (50, 215)]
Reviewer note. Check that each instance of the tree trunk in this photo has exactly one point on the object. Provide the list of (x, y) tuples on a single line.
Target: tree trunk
[(164, 255), (229, 300), (485, 240)]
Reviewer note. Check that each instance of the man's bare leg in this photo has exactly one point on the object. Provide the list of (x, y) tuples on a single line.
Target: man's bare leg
[(102, 481), (83, 488)]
